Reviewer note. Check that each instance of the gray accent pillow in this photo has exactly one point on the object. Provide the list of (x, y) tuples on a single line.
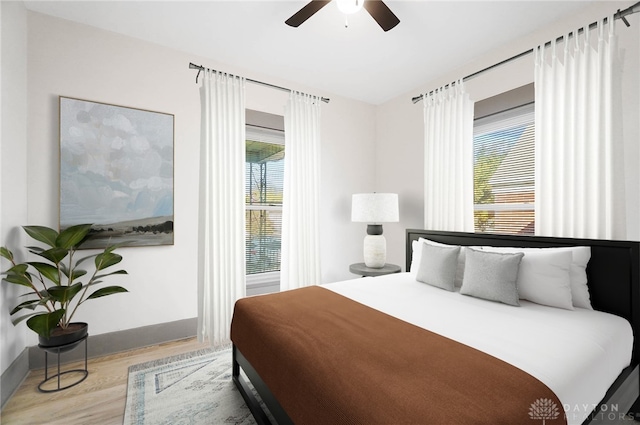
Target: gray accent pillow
[(492, 276), (438, 266)]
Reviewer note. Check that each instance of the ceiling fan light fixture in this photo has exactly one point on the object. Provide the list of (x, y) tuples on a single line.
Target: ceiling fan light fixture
[(349, 7), (379, 11)]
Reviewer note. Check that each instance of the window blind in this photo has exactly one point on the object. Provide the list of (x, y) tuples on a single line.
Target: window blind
[(504, 172), (264, 177)]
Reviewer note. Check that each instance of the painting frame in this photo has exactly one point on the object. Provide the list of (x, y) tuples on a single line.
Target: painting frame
[(116, 173)]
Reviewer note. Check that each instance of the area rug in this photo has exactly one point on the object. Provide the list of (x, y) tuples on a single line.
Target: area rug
[(193, 388)]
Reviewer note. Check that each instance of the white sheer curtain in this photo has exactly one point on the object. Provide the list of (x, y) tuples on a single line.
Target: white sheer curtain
[(221, 221), (579, 166), (448, 159), (300, 262)]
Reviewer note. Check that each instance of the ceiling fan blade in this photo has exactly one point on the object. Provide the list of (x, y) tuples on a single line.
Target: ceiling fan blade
[(382, 14), (306, 12)]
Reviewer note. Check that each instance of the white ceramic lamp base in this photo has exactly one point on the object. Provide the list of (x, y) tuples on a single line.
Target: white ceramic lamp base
[(375, 251)]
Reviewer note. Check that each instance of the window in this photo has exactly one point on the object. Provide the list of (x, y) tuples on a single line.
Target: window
[(264, 175), (504, 172)]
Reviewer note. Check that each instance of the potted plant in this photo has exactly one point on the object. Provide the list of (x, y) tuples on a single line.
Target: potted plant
[(59, 286)]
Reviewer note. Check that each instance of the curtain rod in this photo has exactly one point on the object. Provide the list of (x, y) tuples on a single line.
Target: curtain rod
[(620, 14), (202, 68)]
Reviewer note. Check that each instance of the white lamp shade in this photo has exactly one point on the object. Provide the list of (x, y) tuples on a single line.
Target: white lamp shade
[(374, 207)]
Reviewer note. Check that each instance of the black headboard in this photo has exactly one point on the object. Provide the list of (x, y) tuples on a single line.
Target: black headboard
[(613, 271)]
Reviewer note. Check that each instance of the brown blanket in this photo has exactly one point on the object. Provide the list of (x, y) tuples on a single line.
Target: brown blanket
[(331, 360)]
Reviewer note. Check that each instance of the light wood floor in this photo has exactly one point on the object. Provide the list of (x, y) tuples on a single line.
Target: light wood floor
[(99, 399)]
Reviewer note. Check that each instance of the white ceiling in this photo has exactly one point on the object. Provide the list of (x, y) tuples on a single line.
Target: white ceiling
[(360, 62)]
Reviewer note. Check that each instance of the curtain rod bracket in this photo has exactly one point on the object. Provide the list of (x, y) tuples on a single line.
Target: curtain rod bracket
[(624, 19), (200, 68)]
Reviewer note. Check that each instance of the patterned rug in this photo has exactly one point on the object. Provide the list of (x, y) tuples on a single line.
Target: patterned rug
[(193, 388)]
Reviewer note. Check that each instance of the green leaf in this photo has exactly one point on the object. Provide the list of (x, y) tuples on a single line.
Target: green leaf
[(113, 247), (19, 269), (43, 234), (4, 252), (44, 294), (28, 294), (17, 320), (109, 274), (55, 255), (43, 324), (35, 249), (18, 279), (64, 294), (107, 291), (64, 269), (31, 305), (47, 270), (107, 259), (78, 273), (73, 236)]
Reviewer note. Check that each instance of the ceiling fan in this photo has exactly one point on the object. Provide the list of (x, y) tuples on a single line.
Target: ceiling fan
[(376, 8)]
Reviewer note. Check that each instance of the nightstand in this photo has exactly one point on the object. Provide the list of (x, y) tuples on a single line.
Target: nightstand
[(363, 270)]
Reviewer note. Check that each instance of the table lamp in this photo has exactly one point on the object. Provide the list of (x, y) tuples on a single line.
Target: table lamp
[(374, 209)]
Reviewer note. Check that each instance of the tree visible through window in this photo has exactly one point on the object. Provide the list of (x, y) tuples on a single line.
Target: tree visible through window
[(264, 175), (504, 172)]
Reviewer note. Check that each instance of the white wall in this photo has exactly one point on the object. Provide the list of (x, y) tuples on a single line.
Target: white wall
[(13, 161), (400, 128), (69, 59)]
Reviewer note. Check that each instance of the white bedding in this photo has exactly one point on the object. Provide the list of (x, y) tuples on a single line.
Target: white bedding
[(577, 354)]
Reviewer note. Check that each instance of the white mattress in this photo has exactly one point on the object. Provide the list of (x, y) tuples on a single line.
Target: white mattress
[(577, 354)]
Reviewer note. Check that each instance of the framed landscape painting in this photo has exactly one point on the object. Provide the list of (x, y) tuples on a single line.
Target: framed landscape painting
[(116, 172)]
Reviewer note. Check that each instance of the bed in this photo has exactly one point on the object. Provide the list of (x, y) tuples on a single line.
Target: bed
[(428, 344)]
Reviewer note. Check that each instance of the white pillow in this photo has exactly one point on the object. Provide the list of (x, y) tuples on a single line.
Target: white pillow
[(578, 272), (579, 289), (544, 276), (416, 257)]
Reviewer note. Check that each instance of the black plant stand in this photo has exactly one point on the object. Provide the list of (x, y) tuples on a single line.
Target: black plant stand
[(57, 351)]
